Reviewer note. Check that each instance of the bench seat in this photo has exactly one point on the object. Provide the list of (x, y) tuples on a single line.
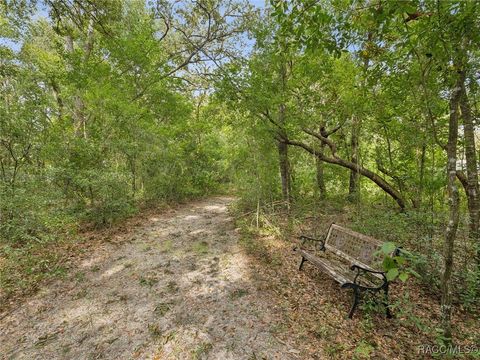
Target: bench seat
[(338, 269)]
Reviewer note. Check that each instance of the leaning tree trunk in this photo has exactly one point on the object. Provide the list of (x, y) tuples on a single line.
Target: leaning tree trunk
[(378, 180), (453, 218)]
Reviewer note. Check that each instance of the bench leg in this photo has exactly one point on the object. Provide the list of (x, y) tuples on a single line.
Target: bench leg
[(301, 263), (356, 298), (386, 302)]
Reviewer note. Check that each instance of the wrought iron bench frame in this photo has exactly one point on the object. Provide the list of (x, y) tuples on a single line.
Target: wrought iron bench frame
[(356, 266)]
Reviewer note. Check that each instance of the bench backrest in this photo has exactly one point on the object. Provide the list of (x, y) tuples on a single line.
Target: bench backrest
[(357, 248)]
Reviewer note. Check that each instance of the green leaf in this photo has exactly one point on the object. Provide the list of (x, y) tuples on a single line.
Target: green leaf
[(392, 274), (388, 247), (399, 260), (409, 7), (388, 263), (403, 276)]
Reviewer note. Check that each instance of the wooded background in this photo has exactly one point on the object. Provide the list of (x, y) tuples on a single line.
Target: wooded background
[(369, 106)]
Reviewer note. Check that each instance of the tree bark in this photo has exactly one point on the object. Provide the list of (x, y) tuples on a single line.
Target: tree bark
[(320, 172), (354, 183), (472, 188), (79, 116), (318, 159), (284, 164), (284, 171), (453, 217), (417, 202)]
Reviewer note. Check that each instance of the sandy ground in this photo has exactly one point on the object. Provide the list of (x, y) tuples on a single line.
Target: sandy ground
[(178, 287)]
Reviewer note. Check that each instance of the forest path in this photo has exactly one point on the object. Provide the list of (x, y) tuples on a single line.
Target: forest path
[(178, 287)]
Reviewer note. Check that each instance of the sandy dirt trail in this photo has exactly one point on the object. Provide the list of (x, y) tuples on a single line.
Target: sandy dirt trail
[(178, 287)]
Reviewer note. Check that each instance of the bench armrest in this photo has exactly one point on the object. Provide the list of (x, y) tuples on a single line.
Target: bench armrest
[(305, 238), (363, 270)]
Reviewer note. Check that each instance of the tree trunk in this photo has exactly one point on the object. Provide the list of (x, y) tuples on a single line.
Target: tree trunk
[(284, 164), (417, 202), (79, 116), (354, 184), (133, 169), (284, 171), (453, 218), (472, 189), (320, 174)]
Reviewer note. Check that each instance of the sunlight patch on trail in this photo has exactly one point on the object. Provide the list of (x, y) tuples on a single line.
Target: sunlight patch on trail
[(191, 217), (113, 270), (215, 208)]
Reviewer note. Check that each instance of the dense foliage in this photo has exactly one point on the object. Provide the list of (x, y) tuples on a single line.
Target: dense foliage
[(109, 106), (100, 114), (375, 103)]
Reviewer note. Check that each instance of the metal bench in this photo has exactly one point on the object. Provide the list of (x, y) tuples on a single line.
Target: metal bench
[(350, 258)]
